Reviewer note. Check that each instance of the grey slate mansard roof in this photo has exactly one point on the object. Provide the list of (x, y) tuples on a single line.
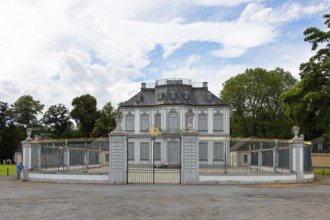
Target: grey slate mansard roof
[(174, 92)]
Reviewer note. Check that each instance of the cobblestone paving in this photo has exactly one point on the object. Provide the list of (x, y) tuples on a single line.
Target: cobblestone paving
[(31, 200)]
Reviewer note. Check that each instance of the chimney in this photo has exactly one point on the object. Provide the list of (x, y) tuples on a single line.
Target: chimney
[(143, 85), (204, 84)]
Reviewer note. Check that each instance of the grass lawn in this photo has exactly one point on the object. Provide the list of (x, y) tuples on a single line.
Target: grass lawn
[(319, 172), (3, 169)]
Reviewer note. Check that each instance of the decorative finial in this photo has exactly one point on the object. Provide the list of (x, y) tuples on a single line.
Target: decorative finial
[(28, 133), (295, 130)]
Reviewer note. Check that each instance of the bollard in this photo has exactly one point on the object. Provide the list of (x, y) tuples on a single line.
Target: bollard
[(7, 171)]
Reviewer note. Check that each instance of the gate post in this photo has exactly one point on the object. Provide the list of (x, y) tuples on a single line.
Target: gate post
[(189, 157), (118, 158), (27, 154), (118, 153), (260, 157), (298, 155)]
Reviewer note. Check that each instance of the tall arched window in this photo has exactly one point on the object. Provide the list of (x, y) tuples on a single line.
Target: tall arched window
[(173, 120), (202, 122), (218, 122), (144, 122), (129, 122)]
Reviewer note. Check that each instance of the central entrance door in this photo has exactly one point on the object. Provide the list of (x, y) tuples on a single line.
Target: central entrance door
[(153, 160)]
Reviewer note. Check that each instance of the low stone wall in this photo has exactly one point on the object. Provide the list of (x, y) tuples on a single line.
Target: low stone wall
[(68, 178), (203, 179), (253, 179)]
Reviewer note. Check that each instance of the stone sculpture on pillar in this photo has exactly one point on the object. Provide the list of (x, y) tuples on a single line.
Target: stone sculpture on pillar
[(190, 117), (119, 119), (295, 130)]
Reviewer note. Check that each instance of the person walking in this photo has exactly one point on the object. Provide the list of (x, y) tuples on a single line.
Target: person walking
[(19, 168)]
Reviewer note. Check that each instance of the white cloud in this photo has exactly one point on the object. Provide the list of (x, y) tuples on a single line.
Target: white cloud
[(230, 3), (214, 76), (259, 13), (101, 47)]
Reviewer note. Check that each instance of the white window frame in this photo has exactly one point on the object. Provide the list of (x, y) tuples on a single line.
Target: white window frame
[(129, 122), (158, 121), (144, 151), (218, 120), (202, 122), (203, 151), (173, 120), (144, 122), (218, 153)]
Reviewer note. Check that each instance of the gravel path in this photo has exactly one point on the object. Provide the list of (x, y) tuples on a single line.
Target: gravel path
[(30, 200)]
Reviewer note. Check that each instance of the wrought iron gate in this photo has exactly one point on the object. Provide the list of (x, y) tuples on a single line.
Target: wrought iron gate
[(153, 160)]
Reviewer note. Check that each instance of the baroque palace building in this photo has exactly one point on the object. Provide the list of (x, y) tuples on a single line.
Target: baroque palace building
[(165, 105)]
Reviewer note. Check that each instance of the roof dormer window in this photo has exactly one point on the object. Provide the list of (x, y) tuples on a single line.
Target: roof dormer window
[(161, 96), (209, 96), (173, 94), (139, 98), (186, 95)]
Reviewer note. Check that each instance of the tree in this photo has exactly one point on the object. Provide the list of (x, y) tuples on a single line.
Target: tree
[(10, 134), (256, 109), (85, 114), (25, 111), (308, 102), (3, 108), (10, 139), (57, 121), (106, 122)]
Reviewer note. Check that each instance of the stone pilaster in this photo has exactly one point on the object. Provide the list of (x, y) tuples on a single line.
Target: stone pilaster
[(118, 157), (189, 158)]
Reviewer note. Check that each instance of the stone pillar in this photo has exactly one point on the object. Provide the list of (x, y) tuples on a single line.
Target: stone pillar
[(275, 157), (66, 155), (298, 155), (189, 157), (27, 154), (86, 156), (249, 156), (118, 157), (260, 157)]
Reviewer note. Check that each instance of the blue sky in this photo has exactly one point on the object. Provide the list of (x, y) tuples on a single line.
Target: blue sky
[(58, 50)]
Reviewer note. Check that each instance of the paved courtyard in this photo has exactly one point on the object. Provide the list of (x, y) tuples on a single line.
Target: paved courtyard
[(30, 200)]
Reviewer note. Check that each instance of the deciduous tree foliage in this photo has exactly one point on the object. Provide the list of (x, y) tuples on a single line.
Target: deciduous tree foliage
[(106, 122), (308, 102), (256, 109), (3, 108), (10, 139), (25, 111), (10, 135), (57, 121), (85, 114)]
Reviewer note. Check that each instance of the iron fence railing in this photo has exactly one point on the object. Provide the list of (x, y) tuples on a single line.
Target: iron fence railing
[(308, 158), (217, 156), (89, 156), (248, 156)]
